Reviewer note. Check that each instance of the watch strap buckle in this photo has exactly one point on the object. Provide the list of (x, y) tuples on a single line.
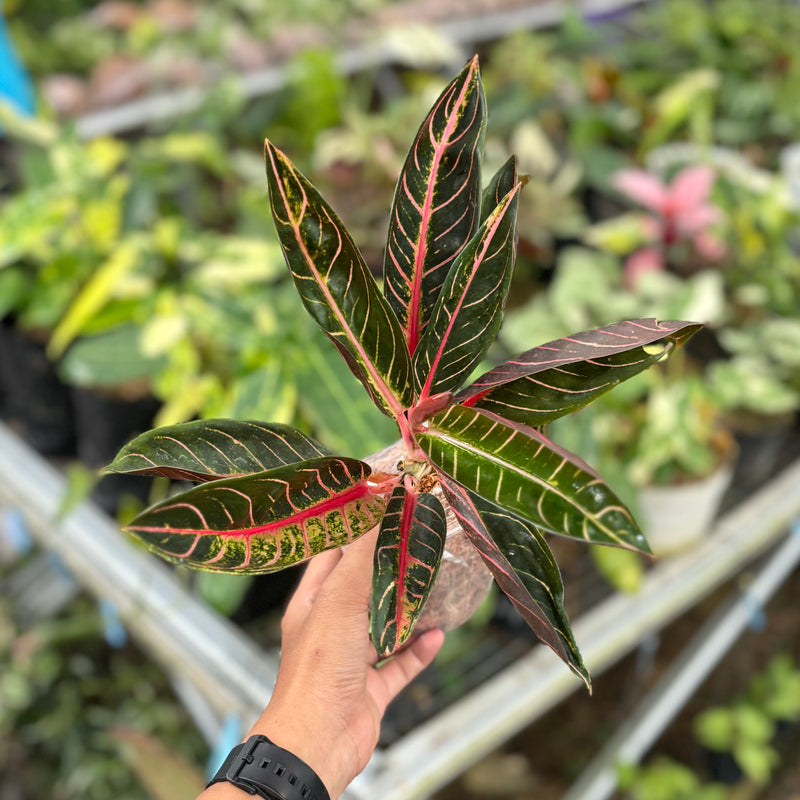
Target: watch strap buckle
[(245, 757)]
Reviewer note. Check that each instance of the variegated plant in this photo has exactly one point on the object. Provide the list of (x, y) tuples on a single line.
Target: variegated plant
[(268, 496)]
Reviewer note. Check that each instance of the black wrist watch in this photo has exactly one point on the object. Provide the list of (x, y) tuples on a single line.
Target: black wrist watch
[(261, 768)]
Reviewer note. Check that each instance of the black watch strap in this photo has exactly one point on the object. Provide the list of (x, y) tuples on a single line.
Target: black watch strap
[(261, 768)]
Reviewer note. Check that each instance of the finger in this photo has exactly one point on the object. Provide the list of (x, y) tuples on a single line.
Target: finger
[(352, 579), (396, 673), (318, 570), (315, 574)]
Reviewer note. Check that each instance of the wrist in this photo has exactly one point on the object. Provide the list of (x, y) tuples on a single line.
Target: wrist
[(327, 755), (259, 766)]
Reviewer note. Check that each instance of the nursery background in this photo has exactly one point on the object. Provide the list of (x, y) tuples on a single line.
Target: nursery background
[(142, 284)]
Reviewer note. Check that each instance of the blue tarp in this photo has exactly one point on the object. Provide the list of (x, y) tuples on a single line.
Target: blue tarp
[(15, 83)]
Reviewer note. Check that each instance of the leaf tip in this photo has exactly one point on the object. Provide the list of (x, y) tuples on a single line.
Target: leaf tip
[(118, 465), (471, 73), (273, 155), (640, 544), (680, 331), (575, 663)]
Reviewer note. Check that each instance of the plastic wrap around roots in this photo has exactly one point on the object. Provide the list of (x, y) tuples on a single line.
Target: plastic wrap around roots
[(463, 578)]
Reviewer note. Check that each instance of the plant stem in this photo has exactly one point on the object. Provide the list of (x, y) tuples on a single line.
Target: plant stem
[(408, 437)]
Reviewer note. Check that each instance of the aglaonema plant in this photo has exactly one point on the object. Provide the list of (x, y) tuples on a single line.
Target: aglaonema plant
[(268, 496)]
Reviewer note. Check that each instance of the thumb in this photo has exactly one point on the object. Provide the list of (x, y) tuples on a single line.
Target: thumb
[(393, 675)]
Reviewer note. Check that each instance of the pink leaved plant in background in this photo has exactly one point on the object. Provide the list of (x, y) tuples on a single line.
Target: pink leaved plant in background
[(680, 212)]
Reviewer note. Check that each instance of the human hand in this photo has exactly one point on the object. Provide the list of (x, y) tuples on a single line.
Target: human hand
[(330, 696)]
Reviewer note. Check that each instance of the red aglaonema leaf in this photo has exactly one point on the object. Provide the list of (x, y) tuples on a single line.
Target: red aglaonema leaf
[(266, 521), (407, 557), (436, 202), (208, 449), (469, 310), (523, 567), (563, 375), (336, 287), (515, 467)]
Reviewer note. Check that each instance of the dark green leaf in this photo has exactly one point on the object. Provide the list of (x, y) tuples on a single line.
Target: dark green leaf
[(266, 521), (523, 566), (469, 311), (207, 449), (519, 469), (336, 286), (502, 182), (407, 557), (435, 208), (561, 376)]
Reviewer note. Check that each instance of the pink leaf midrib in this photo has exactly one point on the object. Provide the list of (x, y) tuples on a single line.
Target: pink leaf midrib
[(426, 213), (406, 520), (476, 263), (338, 502)]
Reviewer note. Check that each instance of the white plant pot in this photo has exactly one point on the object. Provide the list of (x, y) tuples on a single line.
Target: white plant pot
[(676, 517)]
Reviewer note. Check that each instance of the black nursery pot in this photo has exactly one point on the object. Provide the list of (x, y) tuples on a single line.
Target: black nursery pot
[(36, 403), (723, 767), (104, 423)]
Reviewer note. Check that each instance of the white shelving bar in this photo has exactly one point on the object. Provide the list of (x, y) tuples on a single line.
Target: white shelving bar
[(188, 638), (459, 33)]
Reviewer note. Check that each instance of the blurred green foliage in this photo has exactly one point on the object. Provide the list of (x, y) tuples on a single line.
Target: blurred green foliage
[(150, 258), (62, 693), (745, 729)]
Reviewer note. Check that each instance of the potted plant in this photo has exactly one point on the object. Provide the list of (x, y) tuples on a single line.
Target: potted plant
[(750, 346), (471, 459), (674, 231), (70, 239), (37, 271), (760, 335), (684, 462)]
